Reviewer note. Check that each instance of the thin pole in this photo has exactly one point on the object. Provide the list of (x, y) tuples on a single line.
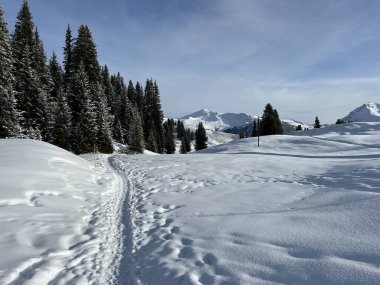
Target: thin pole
[(258, 131), (94, 154)]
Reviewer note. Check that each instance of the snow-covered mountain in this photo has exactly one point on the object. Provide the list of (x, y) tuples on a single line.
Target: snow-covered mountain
[(231, 122), (369, 112), (215, 121)]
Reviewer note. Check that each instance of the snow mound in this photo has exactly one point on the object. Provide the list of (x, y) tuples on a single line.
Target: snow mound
[(50, 229), (369, 112)]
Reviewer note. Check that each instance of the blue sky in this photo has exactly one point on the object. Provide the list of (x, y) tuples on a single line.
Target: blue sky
[(308, 58)]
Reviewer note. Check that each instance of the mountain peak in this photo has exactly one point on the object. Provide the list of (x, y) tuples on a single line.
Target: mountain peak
[(368, 112)]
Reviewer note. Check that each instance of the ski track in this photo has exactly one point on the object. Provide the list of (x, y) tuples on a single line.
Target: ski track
[(125, 273)]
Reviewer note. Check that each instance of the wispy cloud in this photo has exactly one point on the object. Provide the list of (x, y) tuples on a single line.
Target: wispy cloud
[(306, 57)]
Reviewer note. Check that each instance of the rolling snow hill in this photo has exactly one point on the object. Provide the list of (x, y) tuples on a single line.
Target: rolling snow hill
[(300, 209), (369, 112)]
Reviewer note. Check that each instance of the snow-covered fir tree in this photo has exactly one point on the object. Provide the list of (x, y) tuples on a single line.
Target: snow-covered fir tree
[(9, 116), (62, 122)]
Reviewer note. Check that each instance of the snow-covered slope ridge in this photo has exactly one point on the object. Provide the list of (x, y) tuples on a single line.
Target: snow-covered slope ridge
[(369, 112), (53, 217), (215, 121)]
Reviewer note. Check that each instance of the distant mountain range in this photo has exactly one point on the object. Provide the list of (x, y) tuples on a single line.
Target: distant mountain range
[(236, 123), (230, 122)]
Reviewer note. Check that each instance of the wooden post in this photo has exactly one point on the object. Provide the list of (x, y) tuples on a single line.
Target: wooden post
[(258, 131)]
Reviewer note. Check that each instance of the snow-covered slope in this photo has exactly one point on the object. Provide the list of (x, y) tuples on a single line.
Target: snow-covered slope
[(301, 209), (289, 125), (215, 121), (369, 112), (54, 220)]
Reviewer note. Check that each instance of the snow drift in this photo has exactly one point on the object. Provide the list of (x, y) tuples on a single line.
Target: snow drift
[(49, 215)]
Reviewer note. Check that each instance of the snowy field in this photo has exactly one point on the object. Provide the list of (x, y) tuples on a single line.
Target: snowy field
[(301, 209)]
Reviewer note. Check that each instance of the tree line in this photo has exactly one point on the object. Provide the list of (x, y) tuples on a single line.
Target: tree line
[(77, 105)]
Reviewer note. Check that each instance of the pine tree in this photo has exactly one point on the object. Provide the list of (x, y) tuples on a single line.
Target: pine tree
[(153, 116), (200, 137), (56, 76), (84, 52), (136, 133), (278, 123), (68, 63), (299, 128), (31, 99), (169, 138), (131, 93), (107, 86), (317, 123), (182, 148), (22, 37), (83, 114), (62, 122), (151, 143), (139, 97), (270, 123), (103, 119), (9, 116)]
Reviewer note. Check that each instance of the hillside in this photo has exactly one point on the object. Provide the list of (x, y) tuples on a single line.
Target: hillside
[(300, 209)]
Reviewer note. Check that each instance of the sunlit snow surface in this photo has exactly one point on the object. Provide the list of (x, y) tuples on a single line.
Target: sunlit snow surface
[(56, 213), (304, 211), (301, 209)]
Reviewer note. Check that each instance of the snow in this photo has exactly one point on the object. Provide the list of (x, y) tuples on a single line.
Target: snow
[(369, 112), (56, 216), (300, 209)]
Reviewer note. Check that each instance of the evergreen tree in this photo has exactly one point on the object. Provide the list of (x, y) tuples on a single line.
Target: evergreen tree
[(83, 114), (107, 86), (56, 76), (139, 96), (182, 148), (104, 140), (68, 63), (152, 142), (153, 116), (84, 52), (187, 142), (317, 123), (270, 123), (8, 114), (22, 37), (169, 138), (136, 133), (62, 122), (31, 99), (200, 137), (299, 128), (131, 93)]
